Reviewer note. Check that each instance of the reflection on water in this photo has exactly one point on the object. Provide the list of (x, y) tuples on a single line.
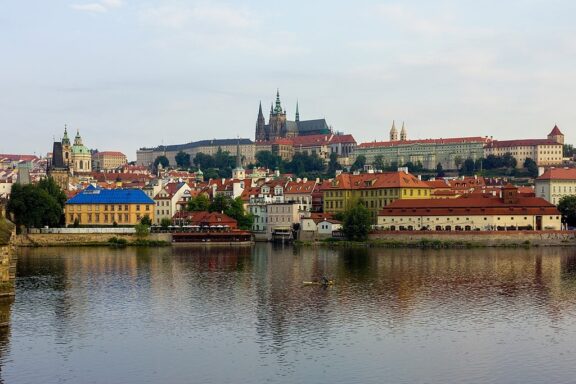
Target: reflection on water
[(179, 315)]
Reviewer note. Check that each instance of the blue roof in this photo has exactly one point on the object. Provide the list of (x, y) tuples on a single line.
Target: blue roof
[(93, 195)]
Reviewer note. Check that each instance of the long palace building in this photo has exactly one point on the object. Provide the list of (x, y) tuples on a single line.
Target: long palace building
[(429, 152)]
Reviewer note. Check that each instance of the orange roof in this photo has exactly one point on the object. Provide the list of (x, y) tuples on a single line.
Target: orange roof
[(342, 139), (294, 187), (311, 140), (558, 174), (438, 184), (455, 140), (376, 181), (521, 143)]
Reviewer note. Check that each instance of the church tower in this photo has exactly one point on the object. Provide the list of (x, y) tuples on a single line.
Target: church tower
[(238, 172), (556, 135), (66, 149), (297, 113), (393, 132), (260, 126), (403, 133), (277, 121)]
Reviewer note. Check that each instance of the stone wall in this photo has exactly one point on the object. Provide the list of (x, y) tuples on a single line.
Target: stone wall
[(56, 239), (500, 238)]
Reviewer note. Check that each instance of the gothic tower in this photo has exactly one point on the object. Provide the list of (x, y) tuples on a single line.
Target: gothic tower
[(393, 132), (277, 123), (403, 133), (297, 113), (260, 126), (66, 148)]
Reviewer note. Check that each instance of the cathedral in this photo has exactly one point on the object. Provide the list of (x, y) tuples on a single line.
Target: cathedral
[(279, 126), (69, 159)]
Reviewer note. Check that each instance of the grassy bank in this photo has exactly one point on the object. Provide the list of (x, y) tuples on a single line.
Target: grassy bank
[(424, 244)]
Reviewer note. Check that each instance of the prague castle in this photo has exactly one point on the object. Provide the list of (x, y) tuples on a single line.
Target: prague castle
[(280, 127)]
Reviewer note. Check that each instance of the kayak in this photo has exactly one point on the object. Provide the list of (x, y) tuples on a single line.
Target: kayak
[(330, 282)]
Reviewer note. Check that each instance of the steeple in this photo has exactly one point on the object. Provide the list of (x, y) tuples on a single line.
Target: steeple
[(65, 139), (260, 123), (260, 114), (393, 132), (297, 112), (403, 133), (278, 108), (78, 139), (239, 172)]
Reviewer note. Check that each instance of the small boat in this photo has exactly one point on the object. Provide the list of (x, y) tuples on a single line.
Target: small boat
[(329, 282)]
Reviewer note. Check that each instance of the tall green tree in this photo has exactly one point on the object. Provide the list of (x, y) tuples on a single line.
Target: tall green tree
[(183, 159), (379, 162), (357, 221), (567, 206), (359, 163), (440, 170), (162, 160), (268, 160), (333, 165), (33, 207), (203, 161), (531, 167), (468, 167), (199, 203)]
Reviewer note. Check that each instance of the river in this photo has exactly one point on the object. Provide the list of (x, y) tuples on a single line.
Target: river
[(194, 315)]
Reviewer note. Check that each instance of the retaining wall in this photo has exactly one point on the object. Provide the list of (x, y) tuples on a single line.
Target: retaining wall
[(58, 239)]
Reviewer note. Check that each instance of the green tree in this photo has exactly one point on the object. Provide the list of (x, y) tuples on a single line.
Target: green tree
[(531, 167), (165, 223), (568, 150), (268, 160), (567, 206), (142, 230), (468, 167), (379, 162), (440, 170), (183, 159), (458, 162), (198, 203), (357, 221), (161, 160), (33, 207), (233, 208), (509, 161), (203, 161), (359, 163), (333, 165), (220, 203), (146, 220)]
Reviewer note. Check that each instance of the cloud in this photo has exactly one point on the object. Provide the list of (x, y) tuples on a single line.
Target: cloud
[(207, 15), (100, 7)]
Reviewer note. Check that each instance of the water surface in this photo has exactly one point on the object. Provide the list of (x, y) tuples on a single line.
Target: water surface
[(190, 315)]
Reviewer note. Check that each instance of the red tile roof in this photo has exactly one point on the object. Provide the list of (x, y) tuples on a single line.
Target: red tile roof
[(521, 143), (294, 187), (344, 139), (454, 140), (558, 174), (555, 131), (376, 181)]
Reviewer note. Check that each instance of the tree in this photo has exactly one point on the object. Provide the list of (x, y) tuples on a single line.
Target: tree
[(268, 160), (509, 161), (357, 221), (567, 206), (142, 230), (146, 220), (161, 160), (568, 150), (359, 163), (203, 161), (333, 165), (440, 170), (379, 162), (233, 208), (183, 159), (220, 203), (458, 161), (198, 203), (468, 167), (531, 167), (33, 207), (165, 223)]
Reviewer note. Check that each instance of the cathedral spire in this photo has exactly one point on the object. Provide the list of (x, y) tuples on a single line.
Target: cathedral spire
[(393, 132), (278, 108), (403, 133), (297, 112), (65, 139)]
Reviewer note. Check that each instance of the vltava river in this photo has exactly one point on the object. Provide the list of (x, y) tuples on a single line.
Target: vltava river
[(190, 315)]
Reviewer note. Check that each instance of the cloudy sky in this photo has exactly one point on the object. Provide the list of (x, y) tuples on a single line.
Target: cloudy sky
[(133, 73)]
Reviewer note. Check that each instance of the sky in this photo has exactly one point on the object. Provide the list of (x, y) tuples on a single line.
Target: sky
[(130, 74)]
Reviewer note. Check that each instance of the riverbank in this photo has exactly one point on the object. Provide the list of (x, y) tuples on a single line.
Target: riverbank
[(7, 264), (90, 239), (426, 239)]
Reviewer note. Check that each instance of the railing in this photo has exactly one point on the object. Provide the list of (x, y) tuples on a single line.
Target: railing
[(82, 230)]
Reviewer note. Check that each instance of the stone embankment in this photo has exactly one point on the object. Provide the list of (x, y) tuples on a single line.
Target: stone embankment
[(479, 238), (7, 270), (81, 239)]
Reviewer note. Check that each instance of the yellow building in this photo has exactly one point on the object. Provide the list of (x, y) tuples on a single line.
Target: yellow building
[(376, 190), (108, 160), (104, 207)]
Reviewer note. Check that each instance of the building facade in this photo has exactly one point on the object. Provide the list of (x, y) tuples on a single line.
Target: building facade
[(376, 190), (555, 183), (429, 152), (108, 160), (107, 207), (510, 211), (545, 152)]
